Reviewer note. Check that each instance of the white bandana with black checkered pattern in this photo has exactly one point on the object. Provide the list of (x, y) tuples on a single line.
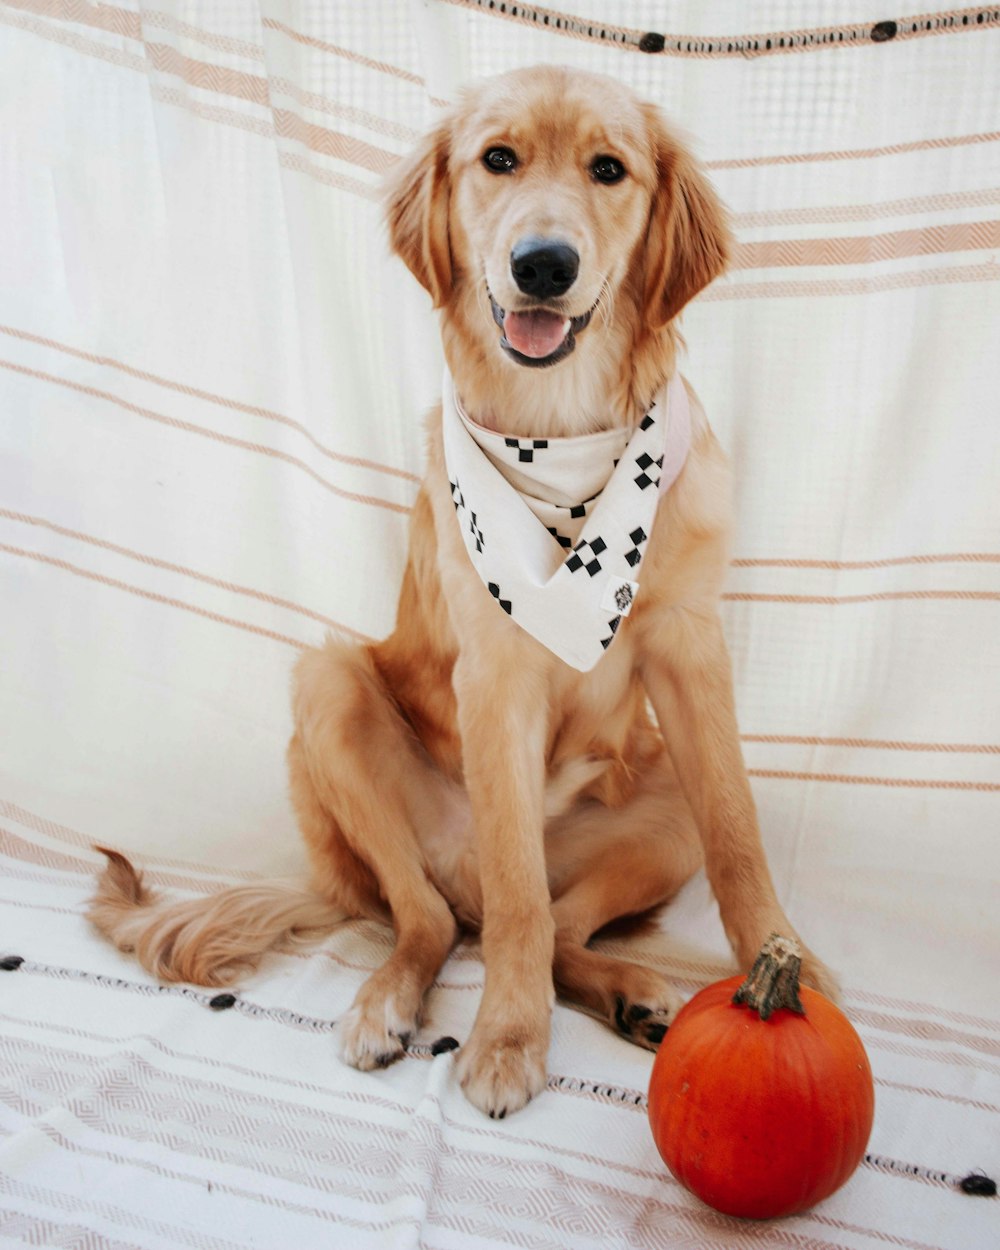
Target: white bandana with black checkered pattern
[(556, 528)]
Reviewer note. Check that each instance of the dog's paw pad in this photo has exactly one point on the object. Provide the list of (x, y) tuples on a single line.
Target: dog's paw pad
[(646, 1024)]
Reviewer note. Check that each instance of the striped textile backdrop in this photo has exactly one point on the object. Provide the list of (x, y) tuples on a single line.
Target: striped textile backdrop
[(212, 378)]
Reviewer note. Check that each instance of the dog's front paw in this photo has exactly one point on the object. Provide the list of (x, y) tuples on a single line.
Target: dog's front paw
[(376, 1030), (646, 1022), (501, 1072)]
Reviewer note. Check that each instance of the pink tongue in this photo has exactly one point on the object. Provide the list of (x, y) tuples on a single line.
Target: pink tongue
[(534, 334)]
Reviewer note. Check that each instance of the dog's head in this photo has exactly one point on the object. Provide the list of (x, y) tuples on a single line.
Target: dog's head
[(550, 204)]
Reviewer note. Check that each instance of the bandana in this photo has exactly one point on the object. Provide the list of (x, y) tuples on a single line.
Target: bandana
[(556, 528)]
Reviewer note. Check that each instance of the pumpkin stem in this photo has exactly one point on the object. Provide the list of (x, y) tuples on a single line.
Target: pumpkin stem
[(774, 978)]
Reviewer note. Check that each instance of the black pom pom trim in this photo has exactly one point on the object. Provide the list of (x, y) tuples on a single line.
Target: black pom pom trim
[(979, 1185)]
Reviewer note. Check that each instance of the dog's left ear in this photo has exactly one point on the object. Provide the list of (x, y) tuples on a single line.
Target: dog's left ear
[(416, 210), (688, 242)]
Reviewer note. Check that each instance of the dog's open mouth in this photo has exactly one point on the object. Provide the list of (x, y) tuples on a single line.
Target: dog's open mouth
[(538, 337)]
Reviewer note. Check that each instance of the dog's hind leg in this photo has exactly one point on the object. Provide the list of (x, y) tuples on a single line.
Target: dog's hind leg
[(364, 770), (605, 863)]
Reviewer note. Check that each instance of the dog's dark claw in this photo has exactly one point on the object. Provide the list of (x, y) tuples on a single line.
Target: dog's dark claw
[(639, 1012), (656, 1033)]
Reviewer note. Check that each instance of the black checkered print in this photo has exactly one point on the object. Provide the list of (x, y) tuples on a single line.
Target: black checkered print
[(613, 626), (476, 532), (526, 447), (585, 555), (457, 498), (645, 462), (494, 590), (561, 539), (638, 537)]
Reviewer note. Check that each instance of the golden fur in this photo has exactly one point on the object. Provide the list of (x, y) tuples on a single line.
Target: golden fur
[(457, 775)]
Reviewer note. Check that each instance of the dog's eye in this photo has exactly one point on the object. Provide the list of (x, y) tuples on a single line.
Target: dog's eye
[(607, 169), (500, 160)]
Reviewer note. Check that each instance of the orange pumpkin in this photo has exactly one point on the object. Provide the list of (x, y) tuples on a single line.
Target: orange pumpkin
[(761, 1102)]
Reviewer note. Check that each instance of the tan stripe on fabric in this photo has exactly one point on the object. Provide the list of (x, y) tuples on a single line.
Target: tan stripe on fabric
[(876, 744), (855, 154), (230, 82), (286, 124), (27, 852), (868, 249), (152, 596), (919, 783), (32, 1230), (876, 597), (222, 43), (836, 213), (975, 1103), (264, 127), (130, 24), (322, 45), (89, 47), (909, 1004), (107, 17), (207, 77), (154, 562), (69, 1235), (322, 104), (134, 1160), (967, 557), (867, 285), (189, 427), (230, 1118), (332, 143), (63, 833), (331, 177), (216, 113), (931, 1052), (926, 1031)]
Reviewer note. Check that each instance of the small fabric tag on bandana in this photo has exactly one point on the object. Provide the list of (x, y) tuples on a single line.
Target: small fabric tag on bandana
[(556, 528), (620, 595)]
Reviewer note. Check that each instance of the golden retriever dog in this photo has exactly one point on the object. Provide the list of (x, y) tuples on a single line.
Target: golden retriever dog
[(460, 776)]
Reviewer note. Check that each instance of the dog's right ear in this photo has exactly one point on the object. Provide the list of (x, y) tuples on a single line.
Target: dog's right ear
[(417, 213)]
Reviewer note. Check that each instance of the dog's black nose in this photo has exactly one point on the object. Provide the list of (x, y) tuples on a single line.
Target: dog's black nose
[(544, 267)]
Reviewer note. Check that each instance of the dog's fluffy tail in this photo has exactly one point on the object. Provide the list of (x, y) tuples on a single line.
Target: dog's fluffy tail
[(203, 940)]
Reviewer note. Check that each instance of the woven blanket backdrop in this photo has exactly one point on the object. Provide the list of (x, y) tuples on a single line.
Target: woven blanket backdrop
[(212, 382)]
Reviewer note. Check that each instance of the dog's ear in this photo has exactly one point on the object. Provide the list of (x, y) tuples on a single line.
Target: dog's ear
[(416, 211), (688, 241)]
